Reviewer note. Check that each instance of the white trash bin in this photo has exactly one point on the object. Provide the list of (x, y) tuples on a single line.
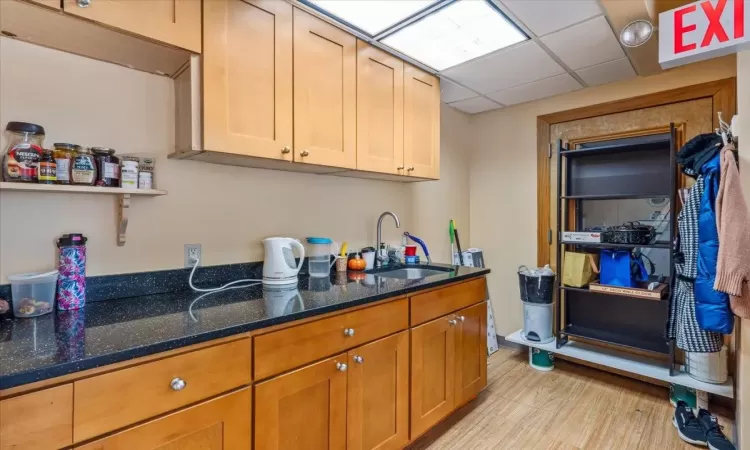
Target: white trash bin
[(537, 322)]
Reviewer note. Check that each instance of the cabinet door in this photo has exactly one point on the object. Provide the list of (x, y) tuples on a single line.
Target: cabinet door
[(50, 3), (304, 409), (471, 352), (421, 123), (433, 371), (247, 77), (325, 93), (220, 424), (175, 22), (380, 111), (378, 395)]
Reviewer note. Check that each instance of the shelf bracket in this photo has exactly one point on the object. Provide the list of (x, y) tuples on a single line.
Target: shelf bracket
[(122, 226)]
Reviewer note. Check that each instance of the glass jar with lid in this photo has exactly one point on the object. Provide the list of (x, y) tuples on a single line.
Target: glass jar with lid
[(23, 152), (63, 154), (83, 169), (108, 167)]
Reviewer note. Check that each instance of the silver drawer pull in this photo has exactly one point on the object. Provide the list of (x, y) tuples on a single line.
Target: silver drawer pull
[(461, 318), (453, 322), (349, 332), (341, 367), (178, 384), (358, 359)]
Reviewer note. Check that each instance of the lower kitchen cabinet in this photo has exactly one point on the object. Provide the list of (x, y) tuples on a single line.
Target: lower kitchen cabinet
[(471, 352), (433, 373), (223, 423), (304, 409), (448, 365), (378, 395)]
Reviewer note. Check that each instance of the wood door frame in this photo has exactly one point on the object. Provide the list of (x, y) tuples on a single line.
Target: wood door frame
[(723, 94)]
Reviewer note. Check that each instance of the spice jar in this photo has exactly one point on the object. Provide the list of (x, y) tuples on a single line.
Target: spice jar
[(129, 172), (108, 167), (63, 155), (24, 150), (47, 168), (83, 170)]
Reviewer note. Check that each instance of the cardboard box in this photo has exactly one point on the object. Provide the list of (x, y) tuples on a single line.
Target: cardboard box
[(591, 237)]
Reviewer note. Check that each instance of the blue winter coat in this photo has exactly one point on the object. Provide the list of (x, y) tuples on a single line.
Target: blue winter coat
[(711, 306)]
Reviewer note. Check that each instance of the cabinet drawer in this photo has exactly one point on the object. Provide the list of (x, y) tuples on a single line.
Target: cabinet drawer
[(114, 400), (433, 304), (40, 420), (293, 347)]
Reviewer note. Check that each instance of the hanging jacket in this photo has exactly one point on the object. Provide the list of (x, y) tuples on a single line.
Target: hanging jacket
[(711, 306)]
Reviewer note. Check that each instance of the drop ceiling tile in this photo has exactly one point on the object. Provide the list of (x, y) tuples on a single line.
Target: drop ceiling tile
[(520, 64), (475, 105), (545, 16), (586, 44), (452, 92), (548, 87), (608, 72)]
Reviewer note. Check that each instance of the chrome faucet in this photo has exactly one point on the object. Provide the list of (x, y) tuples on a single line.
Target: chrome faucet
[(380, 259)]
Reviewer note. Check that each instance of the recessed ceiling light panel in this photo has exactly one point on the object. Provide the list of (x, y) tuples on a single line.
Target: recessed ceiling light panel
[(372, 16), (459, 32)]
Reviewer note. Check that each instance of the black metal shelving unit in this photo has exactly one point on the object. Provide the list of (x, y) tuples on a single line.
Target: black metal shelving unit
[(632, 169)]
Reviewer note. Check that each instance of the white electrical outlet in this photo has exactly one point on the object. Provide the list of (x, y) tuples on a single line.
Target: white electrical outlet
[(192, 254)]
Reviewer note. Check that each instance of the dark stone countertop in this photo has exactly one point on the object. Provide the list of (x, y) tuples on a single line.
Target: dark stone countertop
[(111, 331)]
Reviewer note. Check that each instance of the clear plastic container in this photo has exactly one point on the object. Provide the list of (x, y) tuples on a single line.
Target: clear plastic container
[(33, 294)]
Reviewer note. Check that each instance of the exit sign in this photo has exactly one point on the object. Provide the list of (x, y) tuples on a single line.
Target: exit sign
[(703, 30)]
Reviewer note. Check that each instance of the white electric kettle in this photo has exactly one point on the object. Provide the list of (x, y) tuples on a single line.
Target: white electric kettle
[(279, 266)]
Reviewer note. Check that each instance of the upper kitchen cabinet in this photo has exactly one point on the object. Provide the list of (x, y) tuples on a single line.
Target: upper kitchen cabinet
[(247, 77), (325, 93), (174, 22), (421, 123), (380, 111)]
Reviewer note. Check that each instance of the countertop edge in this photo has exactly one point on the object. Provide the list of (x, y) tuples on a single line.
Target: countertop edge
[(36, 375)]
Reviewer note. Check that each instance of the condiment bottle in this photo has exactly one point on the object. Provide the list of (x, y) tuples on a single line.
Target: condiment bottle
[(108, 167), (64, 154), (47, 168), (83, 170)]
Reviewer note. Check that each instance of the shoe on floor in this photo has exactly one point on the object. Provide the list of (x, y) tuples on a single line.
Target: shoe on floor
[(714, 436), (688, 427)]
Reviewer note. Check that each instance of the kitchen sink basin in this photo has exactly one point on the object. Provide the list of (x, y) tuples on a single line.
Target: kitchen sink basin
[(413, 273)]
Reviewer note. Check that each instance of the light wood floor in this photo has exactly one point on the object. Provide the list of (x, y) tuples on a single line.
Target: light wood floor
[(571, 407)]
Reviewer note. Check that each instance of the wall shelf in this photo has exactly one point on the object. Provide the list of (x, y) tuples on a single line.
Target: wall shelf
[(123, 195), (664, 245)]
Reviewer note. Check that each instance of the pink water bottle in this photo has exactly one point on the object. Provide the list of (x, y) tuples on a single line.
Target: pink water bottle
[(71, 283)]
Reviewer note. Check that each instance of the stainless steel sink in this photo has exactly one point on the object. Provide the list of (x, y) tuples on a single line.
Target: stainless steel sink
[(412, 273)]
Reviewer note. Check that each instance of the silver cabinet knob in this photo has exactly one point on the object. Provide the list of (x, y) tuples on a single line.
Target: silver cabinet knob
[(304, 153), (348, 331), (461, 318), (84, 3), (358, 359), (410, 169), (178, 384), (286, 150), (341, 367), (453, 322)]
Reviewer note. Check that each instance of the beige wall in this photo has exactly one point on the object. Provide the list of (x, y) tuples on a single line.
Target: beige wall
[(226, 209), (503, 176), (743, 363)]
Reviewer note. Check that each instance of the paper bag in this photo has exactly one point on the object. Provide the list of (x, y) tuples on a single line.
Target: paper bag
[(579, 269)]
